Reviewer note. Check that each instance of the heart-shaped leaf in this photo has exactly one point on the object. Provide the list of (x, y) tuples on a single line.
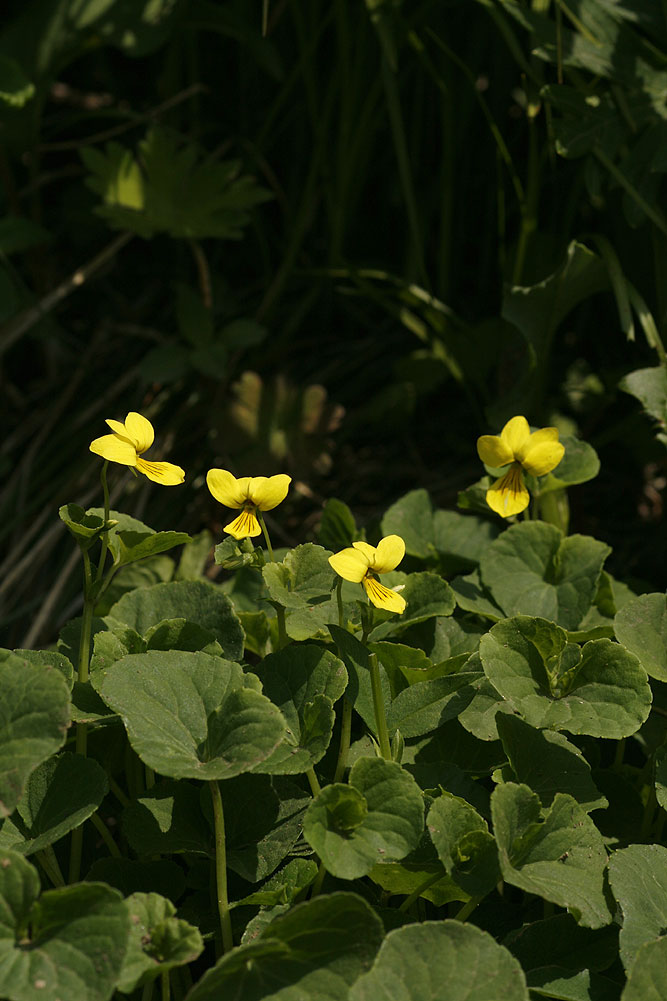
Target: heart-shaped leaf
[(190, 715), (67, 944), (34, 716), (641, 626), (557, 854), (378, 816), (158, 941), (441, 961), (599, 689), (532, 570), (638, 877)]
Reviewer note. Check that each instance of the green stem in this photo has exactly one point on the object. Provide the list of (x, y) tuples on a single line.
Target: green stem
[(118, 792), (467, 909), (282, 629), (147, 992), (260, 519), (378, 706), (105, 834), (49, 862), (339, 601), (105, 537), (315, 787), (620, 751), (164, 982), (416, 894), (150, 776), (344, 746), (221, 867)]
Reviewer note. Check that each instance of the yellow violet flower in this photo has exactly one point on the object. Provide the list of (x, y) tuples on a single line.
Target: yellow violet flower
[(128, 443), (536, 454), (249, 493), (362, 563)]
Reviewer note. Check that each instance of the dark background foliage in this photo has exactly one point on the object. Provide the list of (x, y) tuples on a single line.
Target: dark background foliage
[(331, 298)]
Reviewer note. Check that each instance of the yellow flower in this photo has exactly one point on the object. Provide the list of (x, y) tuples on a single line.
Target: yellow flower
[(128, 443), (248, 493), (536, 454), (362, 563)]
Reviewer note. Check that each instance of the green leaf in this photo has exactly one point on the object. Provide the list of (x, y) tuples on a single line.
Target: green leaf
[(304, 682), (557, 854), (133, 546), (646, 978), (472, 596), (179, 634), (15, 88), (263, 821), (464, 845), (59, 795), (456, 540), (194, 600), (661, 776), (314, 952), (548, 763), (426, 594), (338, 529), (641, 626), (284, 886), (579, 464), (354, 655), (167, 819), (48, 658), (560, 944), (378, 816), (303, 576), (600, 690), (638, 878), (441, 961), (158, 941), (532, 570), (85, 526), (649, 386), (424, 707), (169, 186), (67, 944), (34, 716), (189, 715)]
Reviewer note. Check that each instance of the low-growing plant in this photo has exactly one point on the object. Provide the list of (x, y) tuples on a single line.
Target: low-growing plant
[(447, 783)]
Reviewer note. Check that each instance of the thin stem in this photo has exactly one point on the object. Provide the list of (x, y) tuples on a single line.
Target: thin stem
[(416, 894), (221, 867), (378, 706), (150, 776), (105, 537), (147, 992), (339, 602), (260, 519), (344, 747), (49, 863), (118, 792), (467, 909), (87, 621), (620, 751), (105, 834), (164, 982), (313, 782)]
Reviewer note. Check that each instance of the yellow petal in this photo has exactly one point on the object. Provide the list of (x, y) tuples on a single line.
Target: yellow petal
[(227, 489), (493, 451), (508, 495), (515, 434), (246, 524), (382, 597), (389, 553), (350, 565), (119, 428), (542, 452), (115, 449), (268, 492), (165, 473), (369, 552), (140, 431)]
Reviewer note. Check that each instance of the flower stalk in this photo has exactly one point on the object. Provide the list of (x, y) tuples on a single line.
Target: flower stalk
[(221, 867), (378, 707)]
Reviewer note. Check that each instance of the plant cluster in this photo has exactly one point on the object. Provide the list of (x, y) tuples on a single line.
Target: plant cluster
[(448, 783)]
